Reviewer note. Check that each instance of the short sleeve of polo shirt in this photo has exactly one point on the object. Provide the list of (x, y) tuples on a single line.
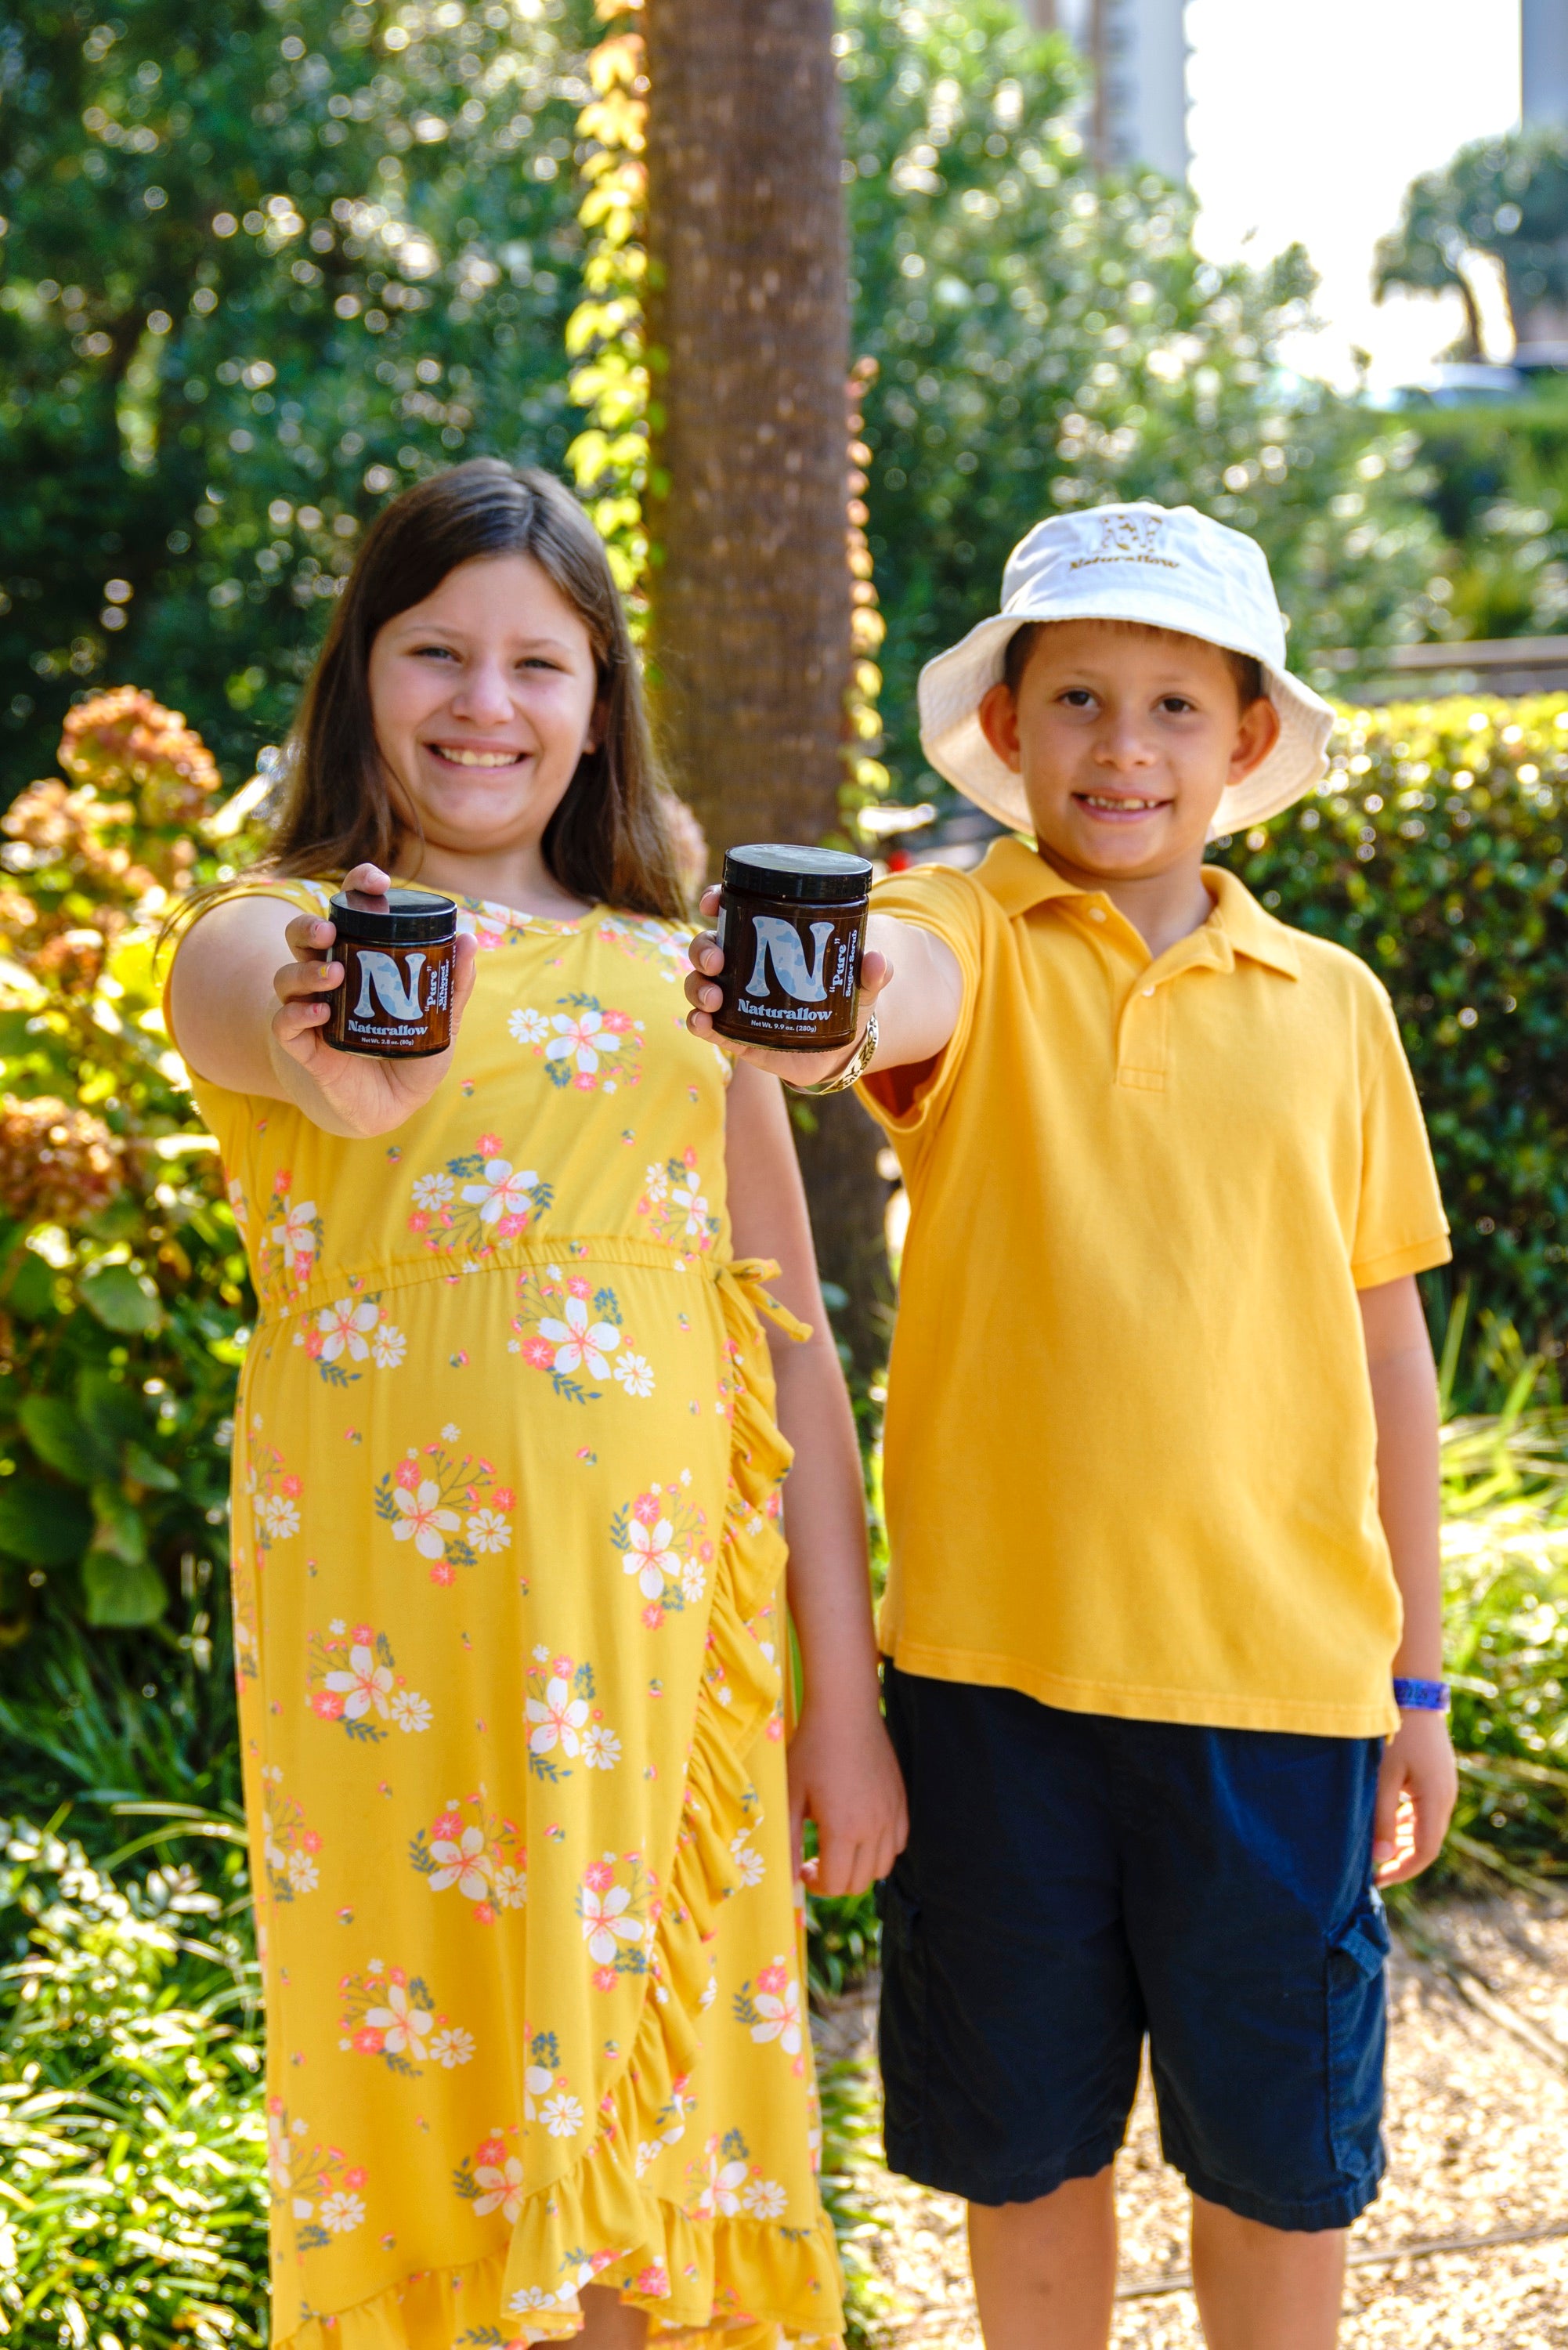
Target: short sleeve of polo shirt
[(953, 908), (1400, 1227)]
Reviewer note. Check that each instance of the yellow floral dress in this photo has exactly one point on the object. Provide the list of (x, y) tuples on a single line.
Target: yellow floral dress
[(506, 1565)]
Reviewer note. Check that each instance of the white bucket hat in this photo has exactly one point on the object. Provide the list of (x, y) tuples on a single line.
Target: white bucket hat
[(1169, 567)]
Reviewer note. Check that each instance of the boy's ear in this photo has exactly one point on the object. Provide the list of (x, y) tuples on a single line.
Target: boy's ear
[(1255, 737), (998, 716)]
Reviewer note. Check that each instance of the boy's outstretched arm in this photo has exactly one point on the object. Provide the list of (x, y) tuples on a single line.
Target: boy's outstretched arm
[(907, 976), (1418, 1762)]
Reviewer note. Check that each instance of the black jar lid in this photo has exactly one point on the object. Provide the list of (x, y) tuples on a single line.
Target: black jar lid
[(403, 918), (807, 876)]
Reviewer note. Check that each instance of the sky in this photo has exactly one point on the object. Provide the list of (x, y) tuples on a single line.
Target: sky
[(1310, 118)]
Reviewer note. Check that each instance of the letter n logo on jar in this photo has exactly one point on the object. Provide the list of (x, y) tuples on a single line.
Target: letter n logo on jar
[(782, 941)]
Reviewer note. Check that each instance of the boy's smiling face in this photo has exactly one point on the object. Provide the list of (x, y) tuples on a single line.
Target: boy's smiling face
[(1125, 738)]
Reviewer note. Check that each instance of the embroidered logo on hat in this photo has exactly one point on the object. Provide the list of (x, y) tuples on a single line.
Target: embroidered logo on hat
[(1127, 535), (1159, 568)]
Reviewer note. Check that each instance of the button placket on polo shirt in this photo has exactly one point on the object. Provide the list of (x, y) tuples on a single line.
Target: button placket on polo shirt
[(1142, 1029)]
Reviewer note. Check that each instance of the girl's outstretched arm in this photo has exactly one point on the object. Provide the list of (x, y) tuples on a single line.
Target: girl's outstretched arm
[(841, 1772), (248, 998)]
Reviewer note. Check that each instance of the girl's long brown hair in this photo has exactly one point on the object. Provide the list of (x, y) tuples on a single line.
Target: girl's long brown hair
[(609, 840)]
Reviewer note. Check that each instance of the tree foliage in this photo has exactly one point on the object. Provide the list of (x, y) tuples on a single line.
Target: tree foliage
[(266, 261), (1506, 198), (1048, 339)]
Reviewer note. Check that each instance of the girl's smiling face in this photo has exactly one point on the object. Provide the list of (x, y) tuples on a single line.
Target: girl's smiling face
[(484, 699), (1125, 738)]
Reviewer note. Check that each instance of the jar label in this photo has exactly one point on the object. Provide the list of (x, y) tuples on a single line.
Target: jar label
[(791, 979), (393, 1000)]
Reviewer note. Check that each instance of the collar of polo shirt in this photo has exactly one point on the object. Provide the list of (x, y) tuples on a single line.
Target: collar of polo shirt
[(1018, 877)]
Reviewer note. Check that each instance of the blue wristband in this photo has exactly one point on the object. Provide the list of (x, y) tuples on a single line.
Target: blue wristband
[(1421, 1697)]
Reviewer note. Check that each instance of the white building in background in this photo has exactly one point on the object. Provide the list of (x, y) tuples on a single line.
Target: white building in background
[(1543, 60), (1138, 49)]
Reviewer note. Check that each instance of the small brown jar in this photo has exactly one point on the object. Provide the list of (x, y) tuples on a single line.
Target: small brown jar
[(792, 924), (398, 953)]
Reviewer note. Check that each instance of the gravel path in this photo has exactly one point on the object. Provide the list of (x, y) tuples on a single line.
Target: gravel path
[(1478, 2144)]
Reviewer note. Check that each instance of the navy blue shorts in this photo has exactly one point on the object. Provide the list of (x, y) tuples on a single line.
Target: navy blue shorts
[(1074, 1882)]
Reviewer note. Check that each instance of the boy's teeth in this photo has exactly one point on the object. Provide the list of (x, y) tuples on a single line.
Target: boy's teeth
[(1097, 799), (478, 758)]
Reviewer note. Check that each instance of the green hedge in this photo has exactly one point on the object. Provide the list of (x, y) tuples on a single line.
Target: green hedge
[(1434, 850)]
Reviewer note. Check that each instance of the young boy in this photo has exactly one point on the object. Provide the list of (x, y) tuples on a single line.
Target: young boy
[(1162, 1622)]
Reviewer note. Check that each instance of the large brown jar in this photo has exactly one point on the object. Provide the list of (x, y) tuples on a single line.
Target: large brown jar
[(792, 924), (398, 953)]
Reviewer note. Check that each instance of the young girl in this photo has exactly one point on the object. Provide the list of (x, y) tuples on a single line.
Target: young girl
[(506, 1529)]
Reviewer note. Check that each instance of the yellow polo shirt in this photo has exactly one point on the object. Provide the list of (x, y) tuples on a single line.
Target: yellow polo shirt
[(1130, 1461)]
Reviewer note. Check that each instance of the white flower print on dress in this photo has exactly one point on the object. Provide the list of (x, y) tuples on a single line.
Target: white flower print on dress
[(278, 1517), (727, 2182), (502, 2186), (480, 1858), (664, 1548), (675, 1206), (315, 2185), (557, 1718), (565, 1326), (362, 1684), (501, 1190), (422, 1519), (649, 1557), (352, 1330), (577, 1340), (773, 2011), (289, 1844), (424, 1497), (487, 1530), (477, 1200), (584, 1044), (492, 2178), (565, 1725), (345, 1326), (749, 1862), (352, 1679), (561, 2115), (289, 1245), (393, 2015), (341, 2213), (612, 1904)]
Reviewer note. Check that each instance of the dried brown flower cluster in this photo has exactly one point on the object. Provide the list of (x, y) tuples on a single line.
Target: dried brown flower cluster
[(62, 828), (140, 773), (124, 737), (57, 1165)]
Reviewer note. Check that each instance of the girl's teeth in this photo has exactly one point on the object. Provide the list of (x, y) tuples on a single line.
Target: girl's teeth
[(479, 758)]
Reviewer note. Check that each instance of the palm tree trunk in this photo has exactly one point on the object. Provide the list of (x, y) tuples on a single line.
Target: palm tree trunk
[(748, 337)]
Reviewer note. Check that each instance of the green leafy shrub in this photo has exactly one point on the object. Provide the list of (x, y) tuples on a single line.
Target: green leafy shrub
[(132, 2135), (123, 1290), (1505, 1479), (1435, 849)]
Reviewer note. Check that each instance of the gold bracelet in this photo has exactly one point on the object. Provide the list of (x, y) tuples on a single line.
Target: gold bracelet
[(859, 1061)]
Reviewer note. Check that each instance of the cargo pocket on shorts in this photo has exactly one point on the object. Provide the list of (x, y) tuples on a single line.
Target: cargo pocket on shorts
[(1357, 2027), (903, 2023)]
